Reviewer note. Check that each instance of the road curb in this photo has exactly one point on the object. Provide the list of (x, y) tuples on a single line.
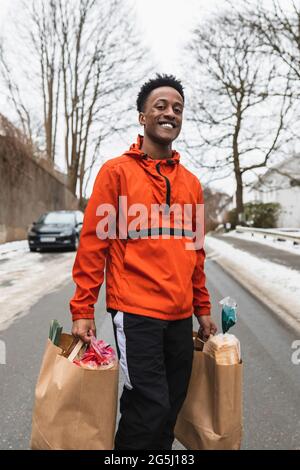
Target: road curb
[(283, 314)]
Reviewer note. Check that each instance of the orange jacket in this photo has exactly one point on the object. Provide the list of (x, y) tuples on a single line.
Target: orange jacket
[(154, 276)]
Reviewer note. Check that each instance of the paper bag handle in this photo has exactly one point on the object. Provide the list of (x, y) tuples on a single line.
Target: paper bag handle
[(75, 350)]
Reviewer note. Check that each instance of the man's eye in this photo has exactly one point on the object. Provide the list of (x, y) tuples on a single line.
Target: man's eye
[(178, 110), (160, 106)]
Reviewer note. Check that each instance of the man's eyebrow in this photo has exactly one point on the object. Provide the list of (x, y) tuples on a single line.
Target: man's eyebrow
[(166, 101)]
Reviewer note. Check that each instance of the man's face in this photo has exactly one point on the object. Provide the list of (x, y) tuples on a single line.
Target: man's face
[(162, 116)]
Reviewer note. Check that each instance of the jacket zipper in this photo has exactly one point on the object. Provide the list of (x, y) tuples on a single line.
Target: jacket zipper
[(168, 185)]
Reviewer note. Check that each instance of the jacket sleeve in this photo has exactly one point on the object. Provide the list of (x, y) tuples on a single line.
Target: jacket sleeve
[(201, 298), (88, 269)]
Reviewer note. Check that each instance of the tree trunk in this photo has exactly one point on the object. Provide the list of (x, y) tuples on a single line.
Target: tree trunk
[(239, 197), (237, 168), (72, 178)]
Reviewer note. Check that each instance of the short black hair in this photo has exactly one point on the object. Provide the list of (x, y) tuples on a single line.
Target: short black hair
[(160, 80)]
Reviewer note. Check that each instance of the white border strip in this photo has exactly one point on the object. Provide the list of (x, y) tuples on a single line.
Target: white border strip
[(121, 338)]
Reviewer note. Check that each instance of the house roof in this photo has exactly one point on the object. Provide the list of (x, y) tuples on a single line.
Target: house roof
[(281, 166)]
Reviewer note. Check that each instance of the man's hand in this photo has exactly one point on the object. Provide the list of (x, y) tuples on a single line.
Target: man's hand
[(207, 327), (84, 329)]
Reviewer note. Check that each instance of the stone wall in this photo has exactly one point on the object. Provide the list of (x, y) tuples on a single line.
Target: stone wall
[(27, 189)]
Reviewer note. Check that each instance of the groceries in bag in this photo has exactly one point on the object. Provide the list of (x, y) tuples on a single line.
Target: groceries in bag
[(98, 355), (224, 349), (229, 307), (68, 414), (211, 417), (94, 356)]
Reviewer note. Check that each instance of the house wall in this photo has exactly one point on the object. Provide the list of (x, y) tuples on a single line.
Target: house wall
[(290, 211), (277, 188)]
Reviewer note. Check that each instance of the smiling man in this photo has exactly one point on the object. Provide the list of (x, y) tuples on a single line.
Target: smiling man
[(154, 283)]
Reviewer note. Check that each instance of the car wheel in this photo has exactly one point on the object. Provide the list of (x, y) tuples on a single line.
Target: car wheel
[(76, 244), (31, 248)]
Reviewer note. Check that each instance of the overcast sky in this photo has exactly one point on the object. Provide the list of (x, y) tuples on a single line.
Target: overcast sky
[(166, 26), (165, 23)]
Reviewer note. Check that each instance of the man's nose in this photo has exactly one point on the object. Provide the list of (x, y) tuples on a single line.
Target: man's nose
[(169, 113)]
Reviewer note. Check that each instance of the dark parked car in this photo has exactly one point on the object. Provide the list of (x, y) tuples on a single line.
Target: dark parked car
[(59, 229)]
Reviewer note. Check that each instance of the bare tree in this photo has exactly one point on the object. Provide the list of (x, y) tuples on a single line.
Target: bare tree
[(239, 117), (287, 175), (45, 44), (89, 57), (15, 98), (13, 140), (97, 48), (216, 203), (278, 30)]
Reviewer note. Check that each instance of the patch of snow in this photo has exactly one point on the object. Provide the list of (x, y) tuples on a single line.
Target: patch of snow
[(281, 283), (286, 245), (26, 277), (11, 247)]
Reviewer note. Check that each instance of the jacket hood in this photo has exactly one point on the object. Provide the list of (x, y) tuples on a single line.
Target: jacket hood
[(136, 152)]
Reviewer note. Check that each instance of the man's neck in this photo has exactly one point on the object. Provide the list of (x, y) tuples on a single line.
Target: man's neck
[(155, 150)]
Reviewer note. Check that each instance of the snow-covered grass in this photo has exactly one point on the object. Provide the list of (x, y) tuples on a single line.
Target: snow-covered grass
[(26, 277), (280, 283), (286, 245)]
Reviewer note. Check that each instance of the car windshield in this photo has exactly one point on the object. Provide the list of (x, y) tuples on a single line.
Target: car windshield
[(59, 218)]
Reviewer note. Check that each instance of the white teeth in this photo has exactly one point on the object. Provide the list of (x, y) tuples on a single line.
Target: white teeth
[(167, 125)]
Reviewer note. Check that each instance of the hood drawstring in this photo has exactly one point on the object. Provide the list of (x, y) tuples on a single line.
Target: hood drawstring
[(168, 185)]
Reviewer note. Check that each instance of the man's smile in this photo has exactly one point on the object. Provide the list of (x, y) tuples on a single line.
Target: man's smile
[(167, 125)]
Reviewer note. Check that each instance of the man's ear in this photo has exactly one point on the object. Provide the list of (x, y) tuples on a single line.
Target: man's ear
[(142, 119)]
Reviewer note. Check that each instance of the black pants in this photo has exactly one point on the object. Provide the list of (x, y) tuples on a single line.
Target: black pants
[(156, 359)]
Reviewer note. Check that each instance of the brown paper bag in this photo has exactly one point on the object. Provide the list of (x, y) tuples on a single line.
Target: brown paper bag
[(211, 416), (75, 408)]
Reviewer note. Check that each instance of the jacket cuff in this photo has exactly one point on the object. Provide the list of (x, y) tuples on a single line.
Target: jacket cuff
[(82, 316), (201, 311)]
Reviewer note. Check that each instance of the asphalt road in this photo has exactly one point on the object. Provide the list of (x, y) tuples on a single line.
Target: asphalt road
[(271, 380), (283, 257)]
